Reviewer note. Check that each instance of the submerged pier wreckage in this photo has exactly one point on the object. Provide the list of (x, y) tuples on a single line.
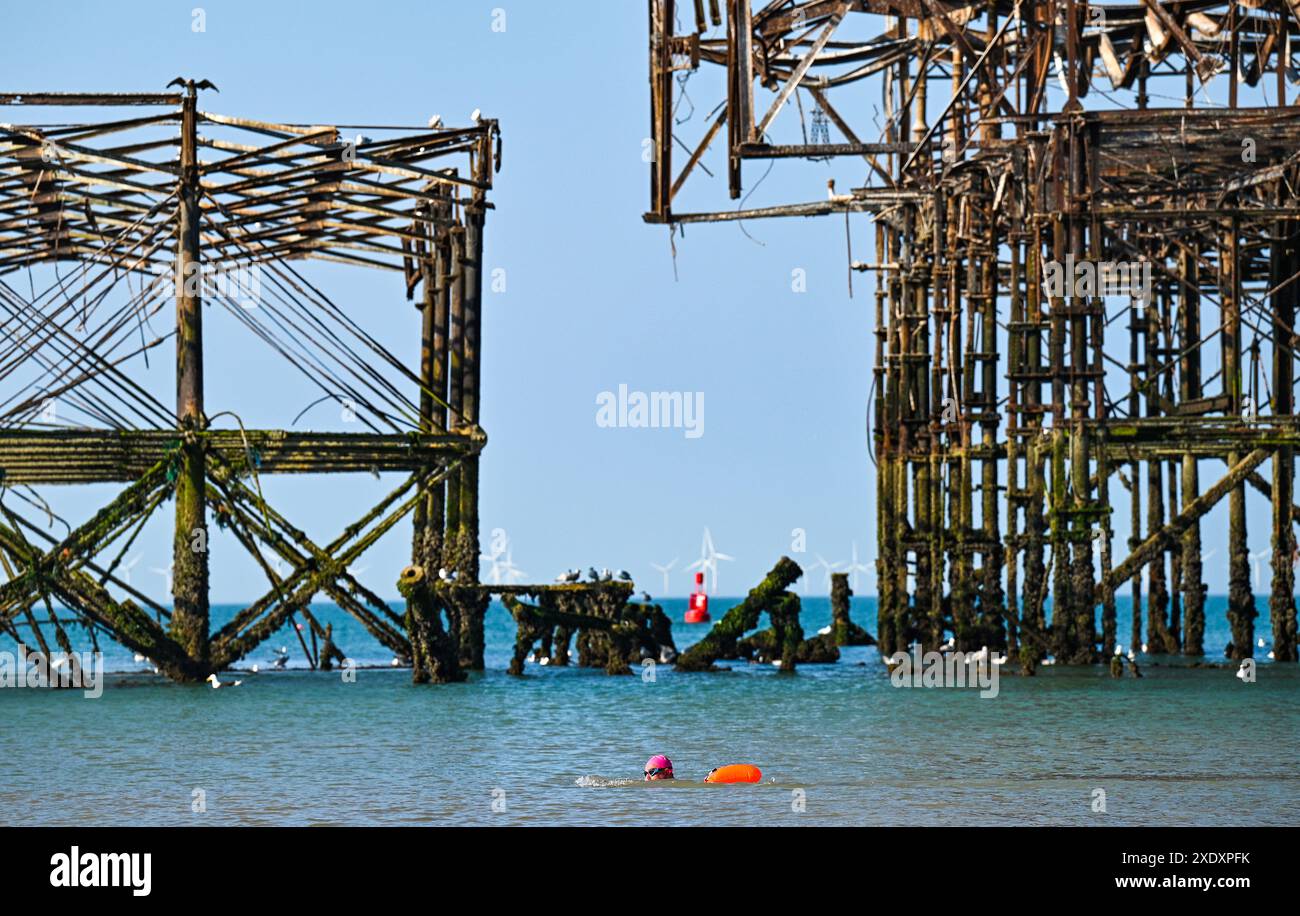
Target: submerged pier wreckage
[(1085, 290)]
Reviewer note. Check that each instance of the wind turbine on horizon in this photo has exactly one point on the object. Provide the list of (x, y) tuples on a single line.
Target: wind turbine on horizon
[(664, 570), (124, 571), (823, 565), (856, 567), (708, 561), (166, 574), (504, 566)]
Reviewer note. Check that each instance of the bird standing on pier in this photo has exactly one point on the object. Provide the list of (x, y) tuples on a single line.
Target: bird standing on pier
[(624, 575), (592, 574)]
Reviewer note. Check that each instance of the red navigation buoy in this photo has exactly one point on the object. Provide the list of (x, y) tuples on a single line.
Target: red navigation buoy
[(698, 612)]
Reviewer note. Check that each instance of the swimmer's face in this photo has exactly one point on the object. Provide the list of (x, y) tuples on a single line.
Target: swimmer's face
[(658, 773)]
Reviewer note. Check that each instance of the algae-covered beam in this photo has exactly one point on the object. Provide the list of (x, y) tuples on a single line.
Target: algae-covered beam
[(1169, 534), (720, 642)]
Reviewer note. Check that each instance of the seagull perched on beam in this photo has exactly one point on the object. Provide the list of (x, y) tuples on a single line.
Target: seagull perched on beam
[(435, 122)]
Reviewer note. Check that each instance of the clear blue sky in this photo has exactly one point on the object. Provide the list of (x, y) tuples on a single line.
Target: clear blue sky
[(591, 299)]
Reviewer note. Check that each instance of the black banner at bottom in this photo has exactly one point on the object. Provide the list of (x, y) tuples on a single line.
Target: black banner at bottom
[(231, 866)]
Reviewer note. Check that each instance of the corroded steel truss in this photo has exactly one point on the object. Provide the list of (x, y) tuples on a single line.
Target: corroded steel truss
[(1016, 171), (151, 203)]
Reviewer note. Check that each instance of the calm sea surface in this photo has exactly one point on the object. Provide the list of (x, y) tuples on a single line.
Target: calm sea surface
[(837, 744)]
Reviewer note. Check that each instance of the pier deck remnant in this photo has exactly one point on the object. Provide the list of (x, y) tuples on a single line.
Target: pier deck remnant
[(166, 206), (1080, 296)]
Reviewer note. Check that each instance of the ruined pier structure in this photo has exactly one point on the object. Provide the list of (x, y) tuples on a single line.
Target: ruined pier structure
[(127, 210), (1086, 282)]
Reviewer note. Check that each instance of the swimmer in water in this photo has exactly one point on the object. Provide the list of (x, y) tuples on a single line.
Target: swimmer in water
[(658, 767)]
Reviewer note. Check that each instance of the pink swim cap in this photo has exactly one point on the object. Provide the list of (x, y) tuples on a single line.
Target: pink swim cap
[(658, 762)]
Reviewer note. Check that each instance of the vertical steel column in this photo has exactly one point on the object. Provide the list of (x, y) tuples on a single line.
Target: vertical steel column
[(189, 622)]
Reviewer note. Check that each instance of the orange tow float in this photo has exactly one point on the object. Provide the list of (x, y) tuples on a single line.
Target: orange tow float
[(735, 772)]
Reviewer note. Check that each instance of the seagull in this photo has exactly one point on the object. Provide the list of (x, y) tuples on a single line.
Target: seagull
[(570, 575), (280, 661), (645, 596), (1270, 655), (981, 656), (999, 659), (592, 574), (1119, 650), (625, 575), (1144, 648), (435, 122), (606, 575), (361, 140), (397, 662), (1132, 656), (1241, 672), (255, 668), (1260, 643), (475, 115), (667, 655), (445, 575), (824, 630), (949, 645), (139, 658), (216, 684)]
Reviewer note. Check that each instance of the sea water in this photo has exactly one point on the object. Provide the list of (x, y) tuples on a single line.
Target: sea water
[(838, 744)]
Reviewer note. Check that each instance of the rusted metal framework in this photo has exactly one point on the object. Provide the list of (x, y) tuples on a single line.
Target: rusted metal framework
[(141, 221), (1080, 297)]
